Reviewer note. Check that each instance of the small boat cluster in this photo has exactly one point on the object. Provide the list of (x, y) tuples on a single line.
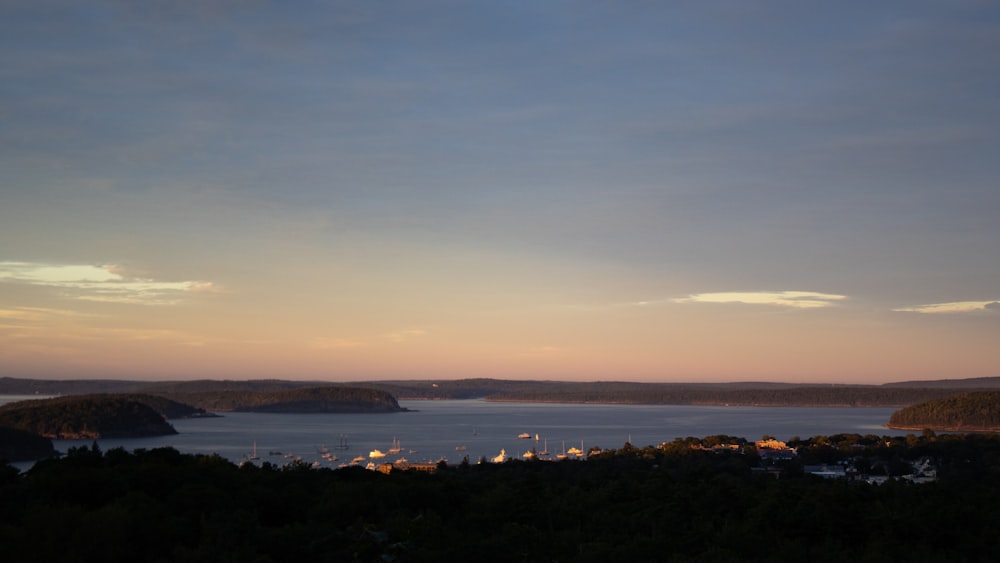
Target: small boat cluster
[(377, 459)]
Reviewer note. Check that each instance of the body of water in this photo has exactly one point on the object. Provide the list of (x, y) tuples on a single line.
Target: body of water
[(454, 429)]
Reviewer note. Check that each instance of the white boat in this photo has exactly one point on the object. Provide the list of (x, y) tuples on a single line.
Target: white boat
[(562, 455), (524, 436), (545, 449), (502, 457), (395, 449), (375, 454), (529, 455)]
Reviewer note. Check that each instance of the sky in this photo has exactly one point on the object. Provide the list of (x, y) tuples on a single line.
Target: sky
[(635, 191)]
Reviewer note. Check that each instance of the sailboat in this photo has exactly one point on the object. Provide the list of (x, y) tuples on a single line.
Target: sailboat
[(343, 442), (562, 454), (395, 449), (545, 449), (502, 457), (250, 457)]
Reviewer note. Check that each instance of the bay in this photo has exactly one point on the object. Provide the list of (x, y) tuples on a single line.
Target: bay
[(434, 430)]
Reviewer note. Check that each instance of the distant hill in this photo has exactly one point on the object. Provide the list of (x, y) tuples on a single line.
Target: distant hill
[(85, 417), (970, 383), (17, 386), (619, 392), (236, 394), (978, 411)]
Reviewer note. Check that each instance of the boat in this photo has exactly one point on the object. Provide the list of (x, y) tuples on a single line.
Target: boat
[(545, 449), (502, 457), (395, 449), (562, 454), (359, 459), (459, 448), (252, 456), (524, 436), (343, 442), (376, 454), (530, 454), (578, 452)]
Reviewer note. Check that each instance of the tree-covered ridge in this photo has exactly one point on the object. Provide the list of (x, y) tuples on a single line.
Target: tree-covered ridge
[(622, 392), (742, 394), (168, 408), (85, 416), (827, 396), (675, 504), (305, 400), (975, 411)]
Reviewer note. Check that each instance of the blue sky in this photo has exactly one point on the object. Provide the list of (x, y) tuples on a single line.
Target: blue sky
[(573, 190)]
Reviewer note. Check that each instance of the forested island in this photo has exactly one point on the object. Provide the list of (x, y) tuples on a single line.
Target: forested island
[(85, 417), (328, 399), (967, 412), (683, 501)]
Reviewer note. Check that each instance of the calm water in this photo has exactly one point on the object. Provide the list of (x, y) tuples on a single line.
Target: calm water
[(435, 429)]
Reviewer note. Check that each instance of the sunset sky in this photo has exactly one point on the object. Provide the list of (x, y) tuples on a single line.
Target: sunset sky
[(643, 191)]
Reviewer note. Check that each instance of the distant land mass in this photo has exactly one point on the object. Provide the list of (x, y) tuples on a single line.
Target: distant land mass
[(328, 399), (734, 394), (221, 395), (968, 412), (78, 417)]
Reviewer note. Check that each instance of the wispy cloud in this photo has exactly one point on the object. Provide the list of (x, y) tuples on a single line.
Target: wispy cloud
[(405, 335), (953, 307), (106, 283), (325, 343), (792, 299), (36, 314)]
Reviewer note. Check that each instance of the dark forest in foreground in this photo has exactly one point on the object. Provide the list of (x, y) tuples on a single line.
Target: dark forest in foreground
[(669, 503)]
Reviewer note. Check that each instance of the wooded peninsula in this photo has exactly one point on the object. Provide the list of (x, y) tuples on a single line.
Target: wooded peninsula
[(968, 412)]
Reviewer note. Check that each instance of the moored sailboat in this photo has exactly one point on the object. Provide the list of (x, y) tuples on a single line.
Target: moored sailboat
[(395, 449)]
